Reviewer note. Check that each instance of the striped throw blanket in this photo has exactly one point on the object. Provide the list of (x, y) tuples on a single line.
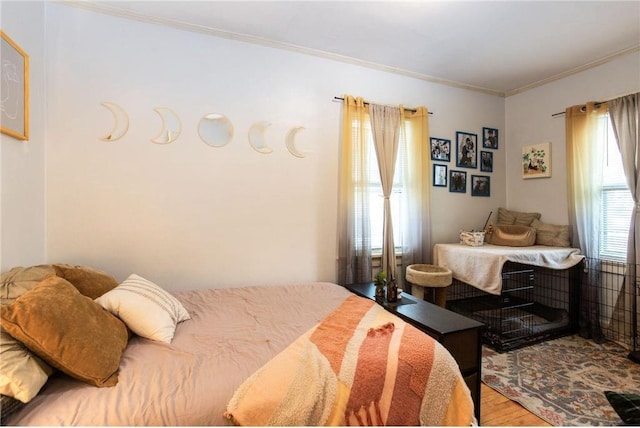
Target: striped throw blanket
[(361, 365)]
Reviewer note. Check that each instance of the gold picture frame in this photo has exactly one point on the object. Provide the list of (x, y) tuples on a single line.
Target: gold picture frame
[(14, 89), (536, 161)]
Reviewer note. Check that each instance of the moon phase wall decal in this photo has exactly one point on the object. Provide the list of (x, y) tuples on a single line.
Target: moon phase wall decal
[(256, 137), (120, 122), (171, 126), (215, 129), (291, 143)]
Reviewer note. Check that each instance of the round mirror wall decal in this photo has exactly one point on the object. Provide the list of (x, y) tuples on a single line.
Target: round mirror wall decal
[(215, 129)]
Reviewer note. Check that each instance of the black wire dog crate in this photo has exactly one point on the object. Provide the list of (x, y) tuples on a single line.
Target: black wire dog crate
[(535, 304), (610, 300)]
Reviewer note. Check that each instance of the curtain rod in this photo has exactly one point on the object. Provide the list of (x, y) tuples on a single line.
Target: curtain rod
[(366, 102), (582, 109), (597, 104)]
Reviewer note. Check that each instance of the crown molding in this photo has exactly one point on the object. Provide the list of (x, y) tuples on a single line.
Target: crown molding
[(121, 13)]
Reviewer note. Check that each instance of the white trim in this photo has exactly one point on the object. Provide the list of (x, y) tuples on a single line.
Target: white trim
[(114, 11)]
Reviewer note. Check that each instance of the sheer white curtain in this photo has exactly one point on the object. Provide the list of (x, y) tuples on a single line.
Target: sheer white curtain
[(415, 228), (584, 181), (385, 126), (354, 234), (584, 175)]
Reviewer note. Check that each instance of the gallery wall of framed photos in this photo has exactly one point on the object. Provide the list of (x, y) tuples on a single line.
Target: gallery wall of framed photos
[(468, 155)]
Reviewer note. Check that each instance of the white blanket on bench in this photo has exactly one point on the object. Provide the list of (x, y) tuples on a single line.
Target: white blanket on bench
[(482, 266)]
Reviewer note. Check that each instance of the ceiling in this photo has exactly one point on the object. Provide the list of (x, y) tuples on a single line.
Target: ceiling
[(498, 47)]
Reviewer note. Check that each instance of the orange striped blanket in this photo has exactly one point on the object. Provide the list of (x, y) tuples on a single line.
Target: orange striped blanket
[(361, 365)]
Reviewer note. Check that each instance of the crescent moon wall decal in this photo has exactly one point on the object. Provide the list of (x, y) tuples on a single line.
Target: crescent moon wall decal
[(291, 143), (171, 126), (256, 137), (120, 122)]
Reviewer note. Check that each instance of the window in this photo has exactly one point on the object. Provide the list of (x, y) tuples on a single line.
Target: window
[(376, 198), (617, 203)]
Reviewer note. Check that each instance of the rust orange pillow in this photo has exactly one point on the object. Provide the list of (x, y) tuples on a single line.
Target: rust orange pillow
[(89, 281), (68, 330)]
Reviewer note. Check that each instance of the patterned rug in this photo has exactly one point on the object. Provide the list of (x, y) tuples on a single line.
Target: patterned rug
[(563, 380)]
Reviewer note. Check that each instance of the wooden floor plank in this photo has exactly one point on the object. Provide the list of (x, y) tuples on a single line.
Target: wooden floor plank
[(498, 410)]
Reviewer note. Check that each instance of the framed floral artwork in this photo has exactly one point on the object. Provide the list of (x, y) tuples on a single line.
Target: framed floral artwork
[(536, 161)]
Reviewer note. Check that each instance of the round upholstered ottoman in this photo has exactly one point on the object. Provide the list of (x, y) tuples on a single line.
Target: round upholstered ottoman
[(429, 282)]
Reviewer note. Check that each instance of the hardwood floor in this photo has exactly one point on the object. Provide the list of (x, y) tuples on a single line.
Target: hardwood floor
[(498, 410)]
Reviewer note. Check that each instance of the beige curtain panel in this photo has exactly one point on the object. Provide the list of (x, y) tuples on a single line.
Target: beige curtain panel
[(411, 134), (385, 124)]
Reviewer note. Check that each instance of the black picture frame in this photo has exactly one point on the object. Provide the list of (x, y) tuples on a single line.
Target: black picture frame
[(466, 150), (480, 185), (490, 138), (457, 181), (486, 161), (439, 175), (440, 149)]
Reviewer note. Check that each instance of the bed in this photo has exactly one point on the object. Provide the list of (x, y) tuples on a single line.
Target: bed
[(306, 354), (523, 294)]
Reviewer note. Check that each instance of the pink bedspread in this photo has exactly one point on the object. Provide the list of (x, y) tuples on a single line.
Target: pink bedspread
[(232, 333)]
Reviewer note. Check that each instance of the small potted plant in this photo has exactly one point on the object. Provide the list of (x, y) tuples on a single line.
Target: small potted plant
[(380, 281)]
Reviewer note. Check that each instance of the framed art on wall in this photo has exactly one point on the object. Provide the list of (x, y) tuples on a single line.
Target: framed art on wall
[(466, 150), (440, 175), (440, 149), (489, 138), (14, 78), (536, 161), (480, 185), (486, 161), (457, 181)]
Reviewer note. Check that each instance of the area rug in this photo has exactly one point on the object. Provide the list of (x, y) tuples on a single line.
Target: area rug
[(563, 381)]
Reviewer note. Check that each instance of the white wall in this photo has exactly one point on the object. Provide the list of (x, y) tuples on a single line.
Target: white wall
[(529, 121), (22, 164), (188, 215)]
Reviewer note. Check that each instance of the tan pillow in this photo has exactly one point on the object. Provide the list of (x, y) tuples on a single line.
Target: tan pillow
[(514, 217), (512, 235), (19, 280), (68, 330), (90, 282), (22, 374), (552, 235)]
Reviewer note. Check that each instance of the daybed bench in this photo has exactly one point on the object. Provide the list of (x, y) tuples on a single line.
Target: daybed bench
[(523, 283)]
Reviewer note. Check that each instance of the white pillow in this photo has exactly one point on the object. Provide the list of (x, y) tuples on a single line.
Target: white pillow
[(147, 309)]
